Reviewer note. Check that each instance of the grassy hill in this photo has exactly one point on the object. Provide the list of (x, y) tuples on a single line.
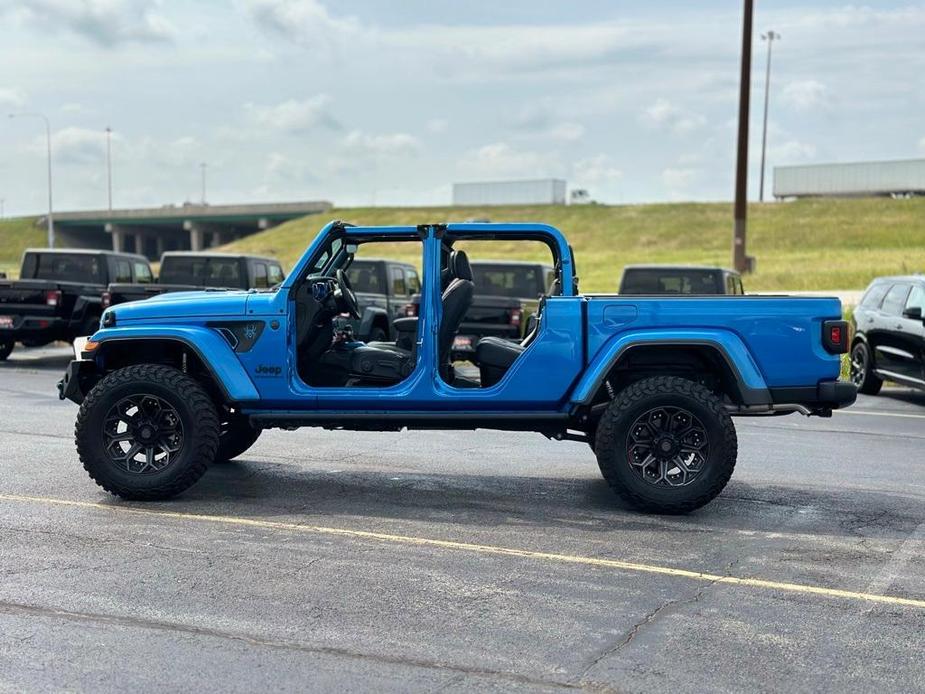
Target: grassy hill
[(812, 244), (16, 235)]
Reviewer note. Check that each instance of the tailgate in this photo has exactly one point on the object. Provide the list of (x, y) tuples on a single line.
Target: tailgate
[(27, 297)]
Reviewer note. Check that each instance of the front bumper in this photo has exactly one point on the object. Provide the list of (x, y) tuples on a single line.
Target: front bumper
[(79, 378)]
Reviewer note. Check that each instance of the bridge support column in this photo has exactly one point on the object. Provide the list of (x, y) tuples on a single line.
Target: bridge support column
[(196, 235), (118, 237)]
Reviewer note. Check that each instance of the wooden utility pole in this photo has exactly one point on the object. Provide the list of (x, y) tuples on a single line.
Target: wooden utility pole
[(739, 258)]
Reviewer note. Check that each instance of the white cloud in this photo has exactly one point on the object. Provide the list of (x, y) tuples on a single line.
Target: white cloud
[(805, 95), (469, 48), (567, 132), (10, 97), (104, 22), (501, 160), (394, 144), (791, 151), (922, 145), (676, 178), (294, 115), (179, 153), (599, 169), (437, 125), (74, 145), (306, 22), (665, 115)]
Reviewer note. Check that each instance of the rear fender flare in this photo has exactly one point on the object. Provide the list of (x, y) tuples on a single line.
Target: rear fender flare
[(753, 389), (209, 346)]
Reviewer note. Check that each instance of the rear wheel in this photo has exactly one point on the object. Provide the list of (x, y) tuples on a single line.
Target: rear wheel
[(237, 435), (147, 432), (6, 347), (666, 445), (862, 374)]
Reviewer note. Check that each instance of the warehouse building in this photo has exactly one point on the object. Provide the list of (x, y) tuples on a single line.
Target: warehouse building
[(895, 178), (545, 191)]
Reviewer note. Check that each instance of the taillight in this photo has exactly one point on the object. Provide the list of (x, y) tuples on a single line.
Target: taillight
[(835, 336), (52, 297), (410, 310), (517, 315), (106, 300)]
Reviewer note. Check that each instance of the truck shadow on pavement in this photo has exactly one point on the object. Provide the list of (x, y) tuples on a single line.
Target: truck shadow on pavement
[(271, 491)]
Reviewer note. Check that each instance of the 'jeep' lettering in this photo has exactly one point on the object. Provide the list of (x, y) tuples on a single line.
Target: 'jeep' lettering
[(265, 370)]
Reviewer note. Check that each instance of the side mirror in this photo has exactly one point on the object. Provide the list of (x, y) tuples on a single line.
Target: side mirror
[(913, 312)]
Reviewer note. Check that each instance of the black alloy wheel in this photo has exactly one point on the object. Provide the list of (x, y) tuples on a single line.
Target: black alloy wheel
[(667, 447), (142, 434)]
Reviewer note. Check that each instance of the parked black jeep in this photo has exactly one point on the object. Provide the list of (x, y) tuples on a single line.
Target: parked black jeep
[(889, 334), (384, 289), (679, 279), (59, 294), (183, 271)]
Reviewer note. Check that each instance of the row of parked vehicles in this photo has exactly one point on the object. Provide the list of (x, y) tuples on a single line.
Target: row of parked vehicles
[(61, 294)]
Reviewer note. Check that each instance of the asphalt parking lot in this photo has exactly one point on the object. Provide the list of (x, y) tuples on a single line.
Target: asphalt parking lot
[(455, 561)]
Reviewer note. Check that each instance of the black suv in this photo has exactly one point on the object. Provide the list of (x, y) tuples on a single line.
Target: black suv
[(889, 334)]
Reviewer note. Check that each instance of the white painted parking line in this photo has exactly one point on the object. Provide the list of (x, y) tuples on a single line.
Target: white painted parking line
[(870, 413)]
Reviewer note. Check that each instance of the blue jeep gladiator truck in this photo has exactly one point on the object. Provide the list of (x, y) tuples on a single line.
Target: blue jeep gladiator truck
[(172, 384)]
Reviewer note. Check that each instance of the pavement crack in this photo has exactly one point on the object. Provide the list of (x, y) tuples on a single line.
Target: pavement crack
[(648, 619), (180, 629)]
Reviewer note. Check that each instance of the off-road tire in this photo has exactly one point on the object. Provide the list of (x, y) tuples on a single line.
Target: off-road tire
[(6, 347), (665, 391), (200, 431), (862, 375), (235, 437)]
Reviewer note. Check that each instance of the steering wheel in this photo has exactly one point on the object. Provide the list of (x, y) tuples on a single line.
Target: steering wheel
[(344, 294)]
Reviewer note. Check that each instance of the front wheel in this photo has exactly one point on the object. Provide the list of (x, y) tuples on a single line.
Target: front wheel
[(6, 347), (147, 432), (666, 445), (862, 374)]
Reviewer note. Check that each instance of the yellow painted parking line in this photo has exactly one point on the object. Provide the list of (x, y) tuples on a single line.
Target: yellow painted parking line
[(482, 549)]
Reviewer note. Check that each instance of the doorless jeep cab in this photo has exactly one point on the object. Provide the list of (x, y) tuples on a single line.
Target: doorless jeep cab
[(169, 385)]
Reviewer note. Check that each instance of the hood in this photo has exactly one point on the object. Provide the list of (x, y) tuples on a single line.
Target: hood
[(183, 305)]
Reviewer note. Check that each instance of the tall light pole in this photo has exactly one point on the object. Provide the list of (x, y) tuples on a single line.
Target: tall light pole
[(770, 37), (739, 258), (51, 217), (203, 166), (109, 165)]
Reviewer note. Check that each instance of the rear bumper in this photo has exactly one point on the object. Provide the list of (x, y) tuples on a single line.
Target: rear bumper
[(819, 399), (35, 327), (79, 377)]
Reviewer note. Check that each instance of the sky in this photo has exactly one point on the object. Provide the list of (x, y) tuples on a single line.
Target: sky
[(371, 102)]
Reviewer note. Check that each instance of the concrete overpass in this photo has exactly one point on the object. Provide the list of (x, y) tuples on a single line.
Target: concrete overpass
[(151, 231)]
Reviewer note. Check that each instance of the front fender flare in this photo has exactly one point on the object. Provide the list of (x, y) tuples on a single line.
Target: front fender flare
[(751, 384), (211, 348)]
